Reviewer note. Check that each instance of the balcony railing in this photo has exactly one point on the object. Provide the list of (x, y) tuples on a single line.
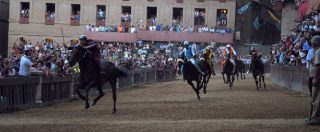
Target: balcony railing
[(100, 22), (49, 21), (124, 24), (24, 20), (74, 22)]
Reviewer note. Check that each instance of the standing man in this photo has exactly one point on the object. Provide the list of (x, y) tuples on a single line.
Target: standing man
[(314, 118), (25, 64)]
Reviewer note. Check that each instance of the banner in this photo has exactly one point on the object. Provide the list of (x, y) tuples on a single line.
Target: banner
[(244, 9), (273, 17), (256, 23)]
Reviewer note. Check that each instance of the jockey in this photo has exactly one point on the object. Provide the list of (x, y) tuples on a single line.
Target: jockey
[(209, 54), (254, 51), (230, 53), (92, 46), (190, 53)]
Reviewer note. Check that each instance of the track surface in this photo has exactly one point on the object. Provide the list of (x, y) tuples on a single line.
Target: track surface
[(173, 106)]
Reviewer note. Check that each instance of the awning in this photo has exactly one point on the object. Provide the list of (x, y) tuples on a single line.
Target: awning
[(161, 36)]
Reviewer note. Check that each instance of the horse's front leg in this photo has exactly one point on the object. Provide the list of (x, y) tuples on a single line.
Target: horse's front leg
[(224, 80), (87, 105), (101, 94), (260, 81), (255, 80), (264, 84), (205, 82), (113, 83), (80, 86), (195, 90)]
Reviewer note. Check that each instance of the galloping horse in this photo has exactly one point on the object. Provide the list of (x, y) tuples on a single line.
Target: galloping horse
[(208, 71), (228, 69), (240, 69), (90, 76), (190, 74), (257, 68)]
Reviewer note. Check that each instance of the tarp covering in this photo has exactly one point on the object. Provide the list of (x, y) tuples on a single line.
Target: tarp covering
[(303, 10), (313, 5), (161, 36)]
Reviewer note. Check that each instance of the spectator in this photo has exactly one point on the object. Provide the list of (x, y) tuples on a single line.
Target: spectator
[(315, 102), (25, 64)]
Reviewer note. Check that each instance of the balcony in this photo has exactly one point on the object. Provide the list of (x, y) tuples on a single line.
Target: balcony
[(124, 24), (179, 1), (100, 22), (74, 22), (161, 36), (49, 21), (24, 20)]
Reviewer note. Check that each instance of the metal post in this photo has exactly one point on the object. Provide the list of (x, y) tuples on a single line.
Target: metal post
[(39, 91)]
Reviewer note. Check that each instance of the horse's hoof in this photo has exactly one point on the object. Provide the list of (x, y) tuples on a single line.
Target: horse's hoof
[(204, 92), (198, 98), (94, 103), (87, 106), (114, 112)]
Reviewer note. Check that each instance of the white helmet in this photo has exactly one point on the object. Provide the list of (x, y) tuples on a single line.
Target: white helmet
[(209, 47), (228, 46)]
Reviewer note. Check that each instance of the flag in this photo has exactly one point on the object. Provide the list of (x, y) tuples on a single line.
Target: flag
[(273, 16), (256, 23), (244, 9)]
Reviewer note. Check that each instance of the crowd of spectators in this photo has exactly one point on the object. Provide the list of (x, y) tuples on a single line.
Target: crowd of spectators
[(126, 17), (50, 15), (75, 15), (50, 59), (174, 27), (296, 49), (101, 15), (24, 13)]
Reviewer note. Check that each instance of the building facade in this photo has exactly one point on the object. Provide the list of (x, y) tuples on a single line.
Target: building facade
[(63, 20), (4, 26)]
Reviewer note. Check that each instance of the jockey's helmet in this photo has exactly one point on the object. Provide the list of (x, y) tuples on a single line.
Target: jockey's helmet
[(209, 47), (228, 46), (83, 37)]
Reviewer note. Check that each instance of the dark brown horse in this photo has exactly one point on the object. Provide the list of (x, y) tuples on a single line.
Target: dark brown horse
[(208, 70), (91, 77), (228, 69), (240, 69), (257, 68)]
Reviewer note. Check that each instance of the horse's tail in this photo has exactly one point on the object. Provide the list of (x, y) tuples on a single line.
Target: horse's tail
[(121, 73)]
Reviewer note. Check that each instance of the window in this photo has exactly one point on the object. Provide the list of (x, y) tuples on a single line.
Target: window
[(50, 13), (152, 15), (101, 15), (126, 14), (75, 14), (199, 16), (222, 20), (179, 1), (177, 14), (24, 12)]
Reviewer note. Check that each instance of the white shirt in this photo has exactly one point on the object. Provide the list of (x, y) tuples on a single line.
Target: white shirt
[(25, 65)]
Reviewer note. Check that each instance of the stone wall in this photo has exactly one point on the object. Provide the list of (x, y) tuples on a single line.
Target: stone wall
[(36, 30), (4, 26), (289, 15)]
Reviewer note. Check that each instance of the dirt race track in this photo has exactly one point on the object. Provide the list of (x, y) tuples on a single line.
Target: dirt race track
[(173, 106)]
